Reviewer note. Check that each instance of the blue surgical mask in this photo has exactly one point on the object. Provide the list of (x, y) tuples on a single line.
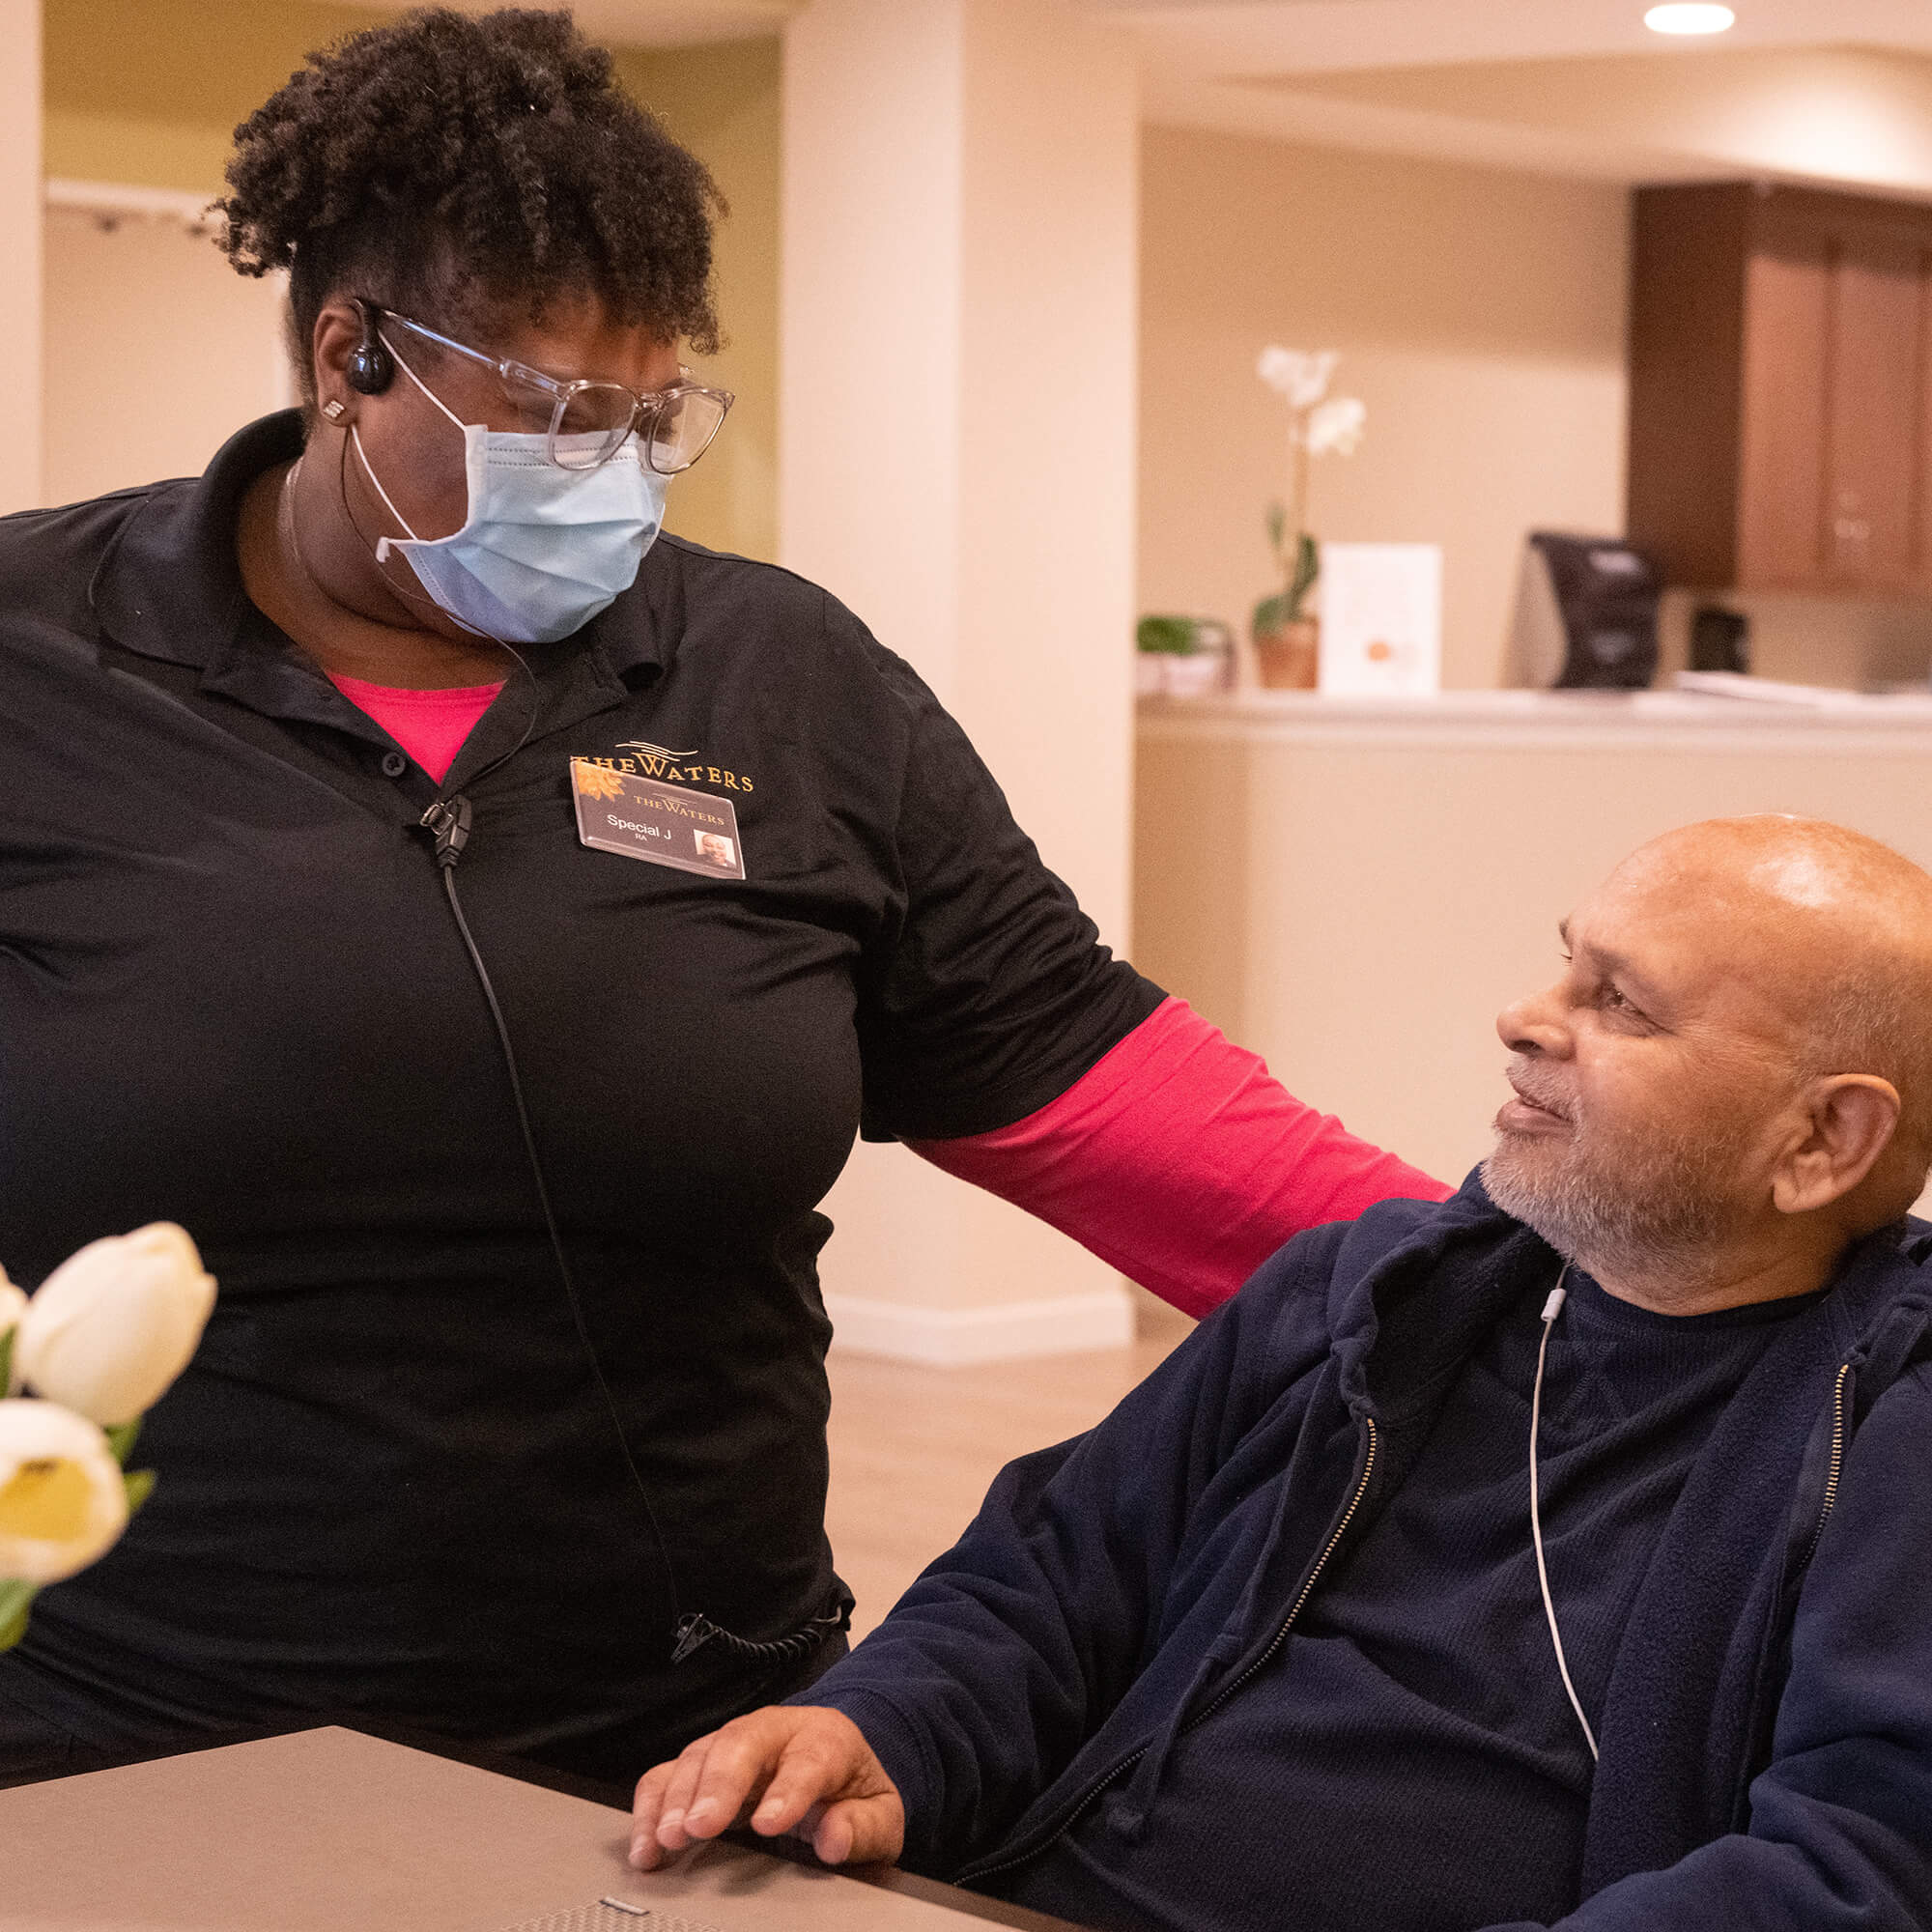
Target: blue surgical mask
[(542, 549)]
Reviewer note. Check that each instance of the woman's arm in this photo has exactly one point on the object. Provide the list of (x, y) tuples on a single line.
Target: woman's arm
[(1182, 1160), (1000, 1040)]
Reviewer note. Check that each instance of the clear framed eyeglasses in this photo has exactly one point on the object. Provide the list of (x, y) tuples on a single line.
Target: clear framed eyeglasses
[(589, 422)]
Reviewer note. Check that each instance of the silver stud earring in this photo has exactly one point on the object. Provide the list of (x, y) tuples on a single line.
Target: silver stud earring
[(333, 410)]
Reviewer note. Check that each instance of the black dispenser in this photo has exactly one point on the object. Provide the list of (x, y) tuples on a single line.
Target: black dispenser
[(1585, 615)]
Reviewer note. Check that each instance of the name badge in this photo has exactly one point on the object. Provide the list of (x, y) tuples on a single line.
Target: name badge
[(639, 818)]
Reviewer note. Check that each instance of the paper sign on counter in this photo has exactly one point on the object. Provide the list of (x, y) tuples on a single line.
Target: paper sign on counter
[(1381, 619)]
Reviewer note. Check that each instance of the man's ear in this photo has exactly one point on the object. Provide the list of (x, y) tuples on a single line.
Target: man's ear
[(1852, 1120)]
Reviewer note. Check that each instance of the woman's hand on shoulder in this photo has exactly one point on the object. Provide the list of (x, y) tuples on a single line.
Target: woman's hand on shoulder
[(800, 1769)]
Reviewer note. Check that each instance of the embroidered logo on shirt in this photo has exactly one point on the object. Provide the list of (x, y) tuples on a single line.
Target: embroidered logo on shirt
[(660, 762)]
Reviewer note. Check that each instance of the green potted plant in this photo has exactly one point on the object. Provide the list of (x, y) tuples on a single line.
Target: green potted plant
[(1182, 657), (1286, 638)]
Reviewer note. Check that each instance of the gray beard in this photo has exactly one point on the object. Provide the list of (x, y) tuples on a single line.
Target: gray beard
[(1634, 1209)]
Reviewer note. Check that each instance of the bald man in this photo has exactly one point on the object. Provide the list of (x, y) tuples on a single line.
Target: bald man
[(1561, 1554)]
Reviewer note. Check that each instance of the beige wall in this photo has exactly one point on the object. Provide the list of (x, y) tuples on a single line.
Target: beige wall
[(956, 463), (723, 102), (137, 302), (148, 92), (960, 380), (1479, 314), (1387, 886), (21, 248)]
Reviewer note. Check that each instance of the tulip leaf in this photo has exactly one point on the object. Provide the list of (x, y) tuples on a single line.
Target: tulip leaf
[(140, 1487), (5, 1360), (15, 1597), (121, 1439)]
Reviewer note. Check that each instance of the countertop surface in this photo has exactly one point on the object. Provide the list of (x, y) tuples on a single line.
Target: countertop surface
[(1559, 716)]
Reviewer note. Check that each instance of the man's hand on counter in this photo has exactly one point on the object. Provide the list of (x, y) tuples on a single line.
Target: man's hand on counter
[(786, 1768)]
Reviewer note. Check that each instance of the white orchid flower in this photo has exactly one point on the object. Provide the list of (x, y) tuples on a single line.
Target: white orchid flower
[(1279, 367), (63, 1501), (1336, 425), (115, 1324), (1302, 378), (12, 1303)]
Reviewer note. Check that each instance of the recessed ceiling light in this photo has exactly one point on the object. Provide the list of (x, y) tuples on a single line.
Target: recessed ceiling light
[(1685, 17)]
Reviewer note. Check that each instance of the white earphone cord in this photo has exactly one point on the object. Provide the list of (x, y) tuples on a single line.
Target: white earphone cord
[(1551, 1310)]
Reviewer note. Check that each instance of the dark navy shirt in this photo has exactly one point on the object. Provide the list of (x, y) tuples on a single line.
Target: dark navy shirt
[(396, 1481), (1425, 1765)]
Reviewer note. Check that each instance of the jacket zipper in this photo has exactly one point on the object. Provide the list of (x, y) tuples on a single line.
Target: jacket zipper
[(1279, 1637), (977, 1872), (1836, 1466)]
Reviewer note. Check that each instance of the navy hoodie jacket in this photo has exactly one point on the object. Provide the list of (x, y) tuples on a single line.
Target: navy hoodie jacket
[(1767, 1734)]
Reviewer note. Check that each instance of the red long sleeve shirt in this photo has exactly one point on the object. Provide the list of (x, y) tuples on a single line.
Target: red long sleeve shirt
[(1182, 1160)]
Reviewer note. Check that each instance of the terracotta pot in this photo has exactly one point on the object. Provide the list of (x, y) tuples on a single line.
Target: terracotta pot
[(1288, 655)]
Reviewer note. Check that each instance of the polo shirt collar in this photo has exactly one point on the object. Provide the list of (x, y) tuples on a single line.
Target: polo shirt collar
[(170, 585)]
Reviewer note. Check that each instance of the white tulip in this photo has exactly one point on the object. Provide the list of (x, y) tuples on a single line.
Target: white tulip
[(12, 1304), (63, 1501), (115, 1324), (1337, 425)]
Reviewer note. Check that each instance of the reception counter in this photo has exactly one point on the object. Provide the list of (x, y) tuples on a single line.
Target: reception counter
[(1354, 886)]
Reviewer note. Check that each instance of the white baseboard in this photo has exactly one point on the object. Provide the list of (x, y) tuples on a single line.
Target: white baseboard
[(953, 1338)]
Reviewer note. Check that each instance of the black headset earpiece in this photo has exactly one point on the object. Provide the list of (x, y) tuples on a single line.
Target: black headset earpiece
[(371, 368)]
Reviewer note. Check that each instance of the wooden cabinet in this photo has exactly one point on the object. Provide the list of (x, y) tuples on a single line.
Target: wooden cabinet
[(1782, 389)]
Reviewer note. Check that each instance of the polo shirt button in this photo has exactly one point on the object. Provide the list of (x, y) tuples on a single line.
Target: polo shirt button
[(394, 764)]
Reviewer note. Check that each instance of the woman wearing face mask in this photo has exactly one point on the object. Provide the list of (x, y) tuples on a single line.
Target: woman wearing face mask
[(485, 923)]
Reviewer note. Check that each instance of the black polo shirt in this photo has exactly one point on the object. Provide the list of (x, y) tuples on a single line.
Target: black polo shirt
[(233, 994)]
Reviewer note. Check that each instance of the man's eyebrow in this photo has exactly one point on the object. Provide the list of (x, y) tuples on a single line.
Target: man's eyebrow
[(1617, 966)]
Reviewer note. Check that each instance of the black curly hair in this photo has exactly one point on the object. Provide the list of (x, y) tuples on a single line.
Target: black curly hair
[(450, 166)]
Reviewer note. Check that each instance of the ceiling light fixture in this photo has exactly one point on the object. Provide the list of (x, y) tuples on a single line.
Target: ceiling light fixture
[(1681, 17)]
